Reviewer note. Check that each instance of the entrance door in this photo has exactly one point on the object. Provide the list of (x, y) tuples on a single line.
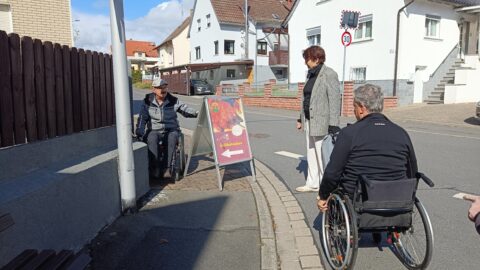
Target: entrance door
[(249, 75)]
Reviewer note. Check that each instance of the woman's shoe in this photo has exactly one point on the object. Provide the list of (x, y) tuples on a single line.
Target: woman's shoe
[(306, 189)]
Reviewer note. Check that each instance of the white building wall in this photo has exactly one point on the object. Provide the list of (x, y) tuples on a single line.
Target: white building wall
[(377, 54), (181, 45)]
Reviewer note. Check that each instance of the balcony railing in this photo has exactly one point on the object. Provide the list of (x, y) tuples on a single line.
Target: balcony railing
[(279, 57)]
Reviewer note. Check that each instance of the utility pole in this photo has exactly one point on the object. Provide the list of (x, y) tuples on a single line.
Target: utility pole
[(246, 29), (126, 169)]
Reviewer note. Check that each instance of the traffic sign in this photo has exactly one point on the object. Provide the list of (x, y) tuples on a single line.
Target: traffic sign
[(346, 38)]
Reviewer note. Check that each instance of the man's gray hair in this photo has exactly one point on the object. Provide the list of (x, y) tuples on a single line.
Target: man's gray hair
[(370, 96)]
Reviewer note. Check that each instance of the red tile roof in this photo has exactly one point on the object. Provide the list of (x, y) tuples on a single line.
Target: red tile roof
[(262, 11), (141, 46)]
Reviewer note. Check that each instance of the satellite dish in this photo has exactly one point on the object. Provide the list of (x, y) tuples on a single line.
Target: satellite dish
[(242, 32), (241, 45)]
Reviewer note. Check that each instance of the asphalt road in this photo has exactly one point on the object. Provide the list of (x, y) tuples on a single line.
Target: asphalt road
[(448, 154)]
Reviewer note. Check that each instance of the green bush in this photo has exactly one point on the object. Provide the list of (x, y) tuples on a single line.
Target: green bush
[(136, 76), (142, 85)]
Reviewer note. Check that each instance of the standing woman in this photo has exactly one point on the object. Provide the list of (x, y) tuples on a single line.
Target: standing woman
[(320, 112)]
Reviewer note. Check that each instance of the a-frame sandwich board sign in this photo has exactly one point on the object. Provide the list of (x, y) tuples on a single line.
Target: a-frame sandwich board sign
[(222, 129)]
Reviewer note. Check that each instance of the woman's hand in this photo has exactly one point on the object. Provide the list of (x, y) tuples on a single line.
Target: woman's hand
[(299, 125)]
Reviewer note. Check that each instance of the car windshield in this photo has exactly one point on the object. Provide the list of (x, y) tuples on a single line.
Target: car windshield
[(199, 83)]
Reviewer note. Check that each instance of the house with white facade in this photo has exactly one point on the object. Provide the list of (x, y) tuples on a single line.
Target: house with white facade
[(142, 55), (232, 48), (175, 49), (434, 57)]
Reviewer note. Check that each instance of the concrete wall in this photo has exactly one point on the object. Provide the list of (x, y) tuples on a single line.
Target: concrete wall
[(405, 89), (48, 20), (62, 192)]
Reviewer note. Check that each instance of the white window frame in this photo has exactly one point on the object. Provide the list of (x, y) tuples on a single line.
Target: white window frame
[(208, 20), (215, 47), (9, 10), (314, 36), (360, 34), (198, 53), (429, 19), (234, 73), (354, 76), (262, 44), (225, 46)]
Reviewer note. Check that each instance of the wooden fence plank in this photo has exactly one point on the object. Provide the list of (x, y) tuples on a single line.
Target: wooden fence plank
[(59, 95), (96, 89), (90, 95), (83, 88), (39, 68), (6, 108), (29, 87), (77, 112), (108, 90), (67, 88), (50, 88), (103, 94), (17, 88)]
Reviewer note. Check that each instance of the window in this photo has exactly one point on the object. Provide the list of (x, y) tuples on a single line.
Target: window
[(199, 25), (230, 73), (262, 47), (139, 54), (229, 47), (197, 53), (211, 74), (216, 47), (432, 26), (358, 74), (364, 30), (208, 20), (6, 18), (313, 36)]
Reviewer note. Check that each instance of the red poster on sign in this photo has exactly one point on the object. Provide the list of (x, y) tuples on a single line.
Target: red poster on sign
[(229, 130)]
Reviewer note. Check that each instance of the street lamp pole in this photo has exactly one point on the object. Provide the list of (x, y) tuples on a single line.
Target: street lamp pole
[(126, 169)]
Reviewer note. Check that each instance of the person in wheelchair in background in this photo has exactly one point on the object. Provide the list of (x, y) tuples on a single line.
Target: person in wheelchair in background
[(373, 147), (157, 122)]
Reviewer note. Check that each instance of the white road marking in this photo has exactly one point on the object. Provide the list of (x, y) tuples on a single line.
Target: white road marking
[(464, 196), (443, 134), (291, 155)]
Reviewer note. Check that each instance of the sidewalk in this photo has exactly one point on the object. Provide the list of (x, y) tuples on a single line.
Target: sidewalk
[(192, 225)]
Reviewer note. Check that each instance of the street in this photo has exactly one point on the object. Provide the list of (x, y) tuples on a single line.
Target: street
[(448, 154)]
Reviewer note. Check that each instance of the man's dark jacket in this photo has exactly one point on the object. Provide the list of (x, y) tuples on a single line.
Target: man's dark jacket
[(374, 147)]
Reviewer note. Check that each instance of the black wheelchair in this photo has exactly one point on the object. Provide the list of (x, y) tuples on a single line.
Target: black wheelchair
[(378, 207), (177, 166)]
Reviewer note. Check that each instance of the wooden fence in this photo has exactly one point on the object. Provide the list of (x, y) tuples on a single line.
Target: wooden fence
[(48, 90)]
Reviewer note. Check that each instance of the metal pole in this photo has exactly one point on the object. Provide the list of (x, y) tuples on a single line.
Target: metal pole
[(126, 169), (343, 78), (246, 29)]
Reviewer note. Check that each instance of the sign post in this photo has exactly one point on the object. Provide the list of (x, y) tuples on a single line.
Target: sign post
[(348, 20), (222, 129), (346, 41)]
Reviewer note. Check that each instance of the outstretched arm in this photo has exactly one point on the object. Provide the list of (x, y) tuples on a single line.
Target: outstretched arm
[(184, 110)]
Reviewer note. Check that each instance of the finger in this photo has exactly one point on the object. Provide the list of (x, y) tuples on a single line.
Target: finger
[(469, 197)]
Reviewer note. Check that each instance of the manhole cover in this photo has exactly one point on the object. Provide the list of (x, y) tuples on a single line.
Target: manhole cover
[(259, 135)]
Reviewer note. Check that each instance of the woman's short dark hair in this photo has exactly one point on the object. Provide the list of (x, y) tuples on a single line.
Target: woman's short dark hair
[(314, 53)]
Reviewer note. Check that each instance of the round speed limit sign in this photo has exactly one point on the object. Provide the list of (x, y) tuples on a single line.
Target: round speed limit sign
[(346, 38)]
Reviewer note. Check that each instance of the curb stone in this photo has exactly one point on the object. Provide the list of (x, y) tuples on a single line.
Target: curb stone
[(287, 242)]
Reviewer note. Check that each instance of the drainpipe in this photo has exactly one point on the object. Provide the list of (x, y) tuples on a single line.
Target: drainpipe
[(246, 29), (397, 41)]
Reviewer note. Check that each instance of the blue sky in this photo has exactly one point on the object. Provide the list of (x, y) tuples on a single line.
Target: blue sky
[(146, 20)]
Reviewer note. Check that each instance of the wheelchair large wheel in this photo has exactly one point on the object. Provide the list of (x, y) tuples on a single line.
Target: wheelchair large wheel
[(339, 233), (414, 246), (179, 164)]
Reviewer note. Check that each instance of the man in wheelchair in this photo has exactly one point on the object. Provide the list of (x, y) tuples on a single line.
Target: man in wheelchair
[(158, 123)]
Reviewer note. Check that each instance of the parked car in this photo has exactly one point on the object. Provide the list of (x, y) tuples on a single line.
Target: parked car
[(200, 87), (478, 109)]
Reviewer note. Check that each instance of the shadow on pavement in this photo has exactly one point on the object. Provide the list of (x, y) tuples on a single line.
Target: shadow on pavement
[(162, 237), (472, 121), (303, 168)]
